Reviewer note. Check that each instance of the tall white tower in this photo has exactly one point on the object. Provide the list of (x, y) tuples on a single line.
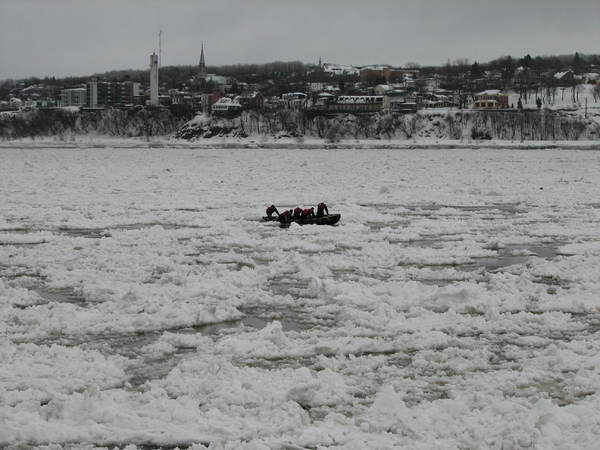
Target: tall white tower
[(154, 79)]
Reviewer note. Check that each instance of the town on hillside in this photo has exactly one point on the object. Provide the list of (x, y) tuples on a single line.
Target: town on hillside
[(561, 83)]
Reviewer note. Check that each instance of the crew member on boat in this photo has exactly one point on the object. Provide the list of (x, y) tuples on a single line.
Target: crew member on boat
[(308, 213), (322, 209), (270, 210), (297, 213), (285, 216)]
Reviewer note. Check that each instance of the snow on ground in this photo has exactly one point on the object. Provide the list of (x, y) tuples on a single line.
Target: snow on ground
[(562, 99), (305, 143), (455, 305)]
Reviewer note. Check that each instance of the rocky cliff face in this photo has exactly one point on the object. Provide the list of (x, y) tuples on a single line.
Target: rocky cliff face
[(457, 125), (137, 122)]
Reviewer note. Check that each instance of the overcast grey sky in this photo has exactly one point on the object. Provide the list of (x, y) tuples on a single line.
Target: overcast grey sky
[(80, 37)]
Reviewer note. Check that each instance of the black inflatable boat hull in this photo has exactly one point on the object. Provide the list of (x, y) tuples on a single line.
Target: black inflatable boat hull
[(328, 219)]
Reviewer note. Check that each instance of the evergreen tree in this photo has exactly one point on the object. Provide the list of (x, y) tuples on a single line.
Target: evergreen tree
[(476, 71), (526, 61), (508, 69), (578, 62)]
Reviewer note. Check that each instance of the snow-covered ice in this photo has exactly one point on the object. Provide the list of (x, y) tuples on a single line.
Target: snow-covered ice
[(143, 302)]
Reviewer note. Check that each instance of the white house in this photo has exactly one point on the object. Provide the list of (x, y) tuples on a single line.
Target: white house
[(226, 105)]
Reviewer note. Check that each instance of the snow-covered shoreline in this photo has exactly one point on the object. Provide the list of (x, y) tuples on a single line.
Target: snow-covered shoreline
[(288, 143)]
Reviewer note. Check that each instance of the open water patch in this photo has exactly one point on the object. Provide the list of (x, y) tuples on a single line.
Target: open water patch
[(23, 237), (291, 319), (287, 284), (96, 233), (145, 366), (14, 272), (515, 254), (61, 295), (505, 256), (506, 209)]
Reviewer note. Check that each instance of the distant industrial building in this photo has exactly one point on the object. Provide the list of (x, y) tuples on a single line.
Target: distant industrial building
[(294, 100), (251, 100), (131, 93), (101, 94), (399, 102), (73, 97), (92, 94), (355, 104)]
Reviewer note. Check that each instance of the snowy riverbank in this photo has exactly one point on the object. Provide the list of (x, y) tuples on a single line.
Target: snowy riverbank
[(289, 143)]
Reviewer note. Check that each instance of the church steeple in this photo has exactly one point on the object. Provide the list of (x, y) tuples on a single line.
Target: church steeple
[(202, 65)]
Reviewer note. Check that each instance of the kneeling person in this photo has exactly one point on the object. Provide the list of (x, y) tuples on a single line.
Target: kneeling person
[(286, 216), (308, 213), (270, 210), (297, 213)]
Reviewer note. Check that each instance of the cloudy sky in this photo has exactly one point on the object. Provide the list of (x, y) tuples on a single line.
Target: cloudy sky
[(81, 37)]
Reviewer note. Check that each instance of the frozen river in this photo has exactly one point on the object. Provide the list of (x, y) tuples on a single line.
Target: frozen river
[(456, 304)]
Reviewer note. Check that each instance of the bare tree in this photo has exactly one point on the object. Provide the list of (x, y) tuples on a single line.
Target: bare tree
[(596, 92), (408, 124), (386, 125), (333, 133)]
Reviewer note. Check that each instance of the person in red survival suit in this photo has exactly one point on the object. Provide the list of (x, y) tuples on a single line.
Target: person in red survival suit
[(285, 216), (297, 213), (322, 209), (270, 210), (308, 213)]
